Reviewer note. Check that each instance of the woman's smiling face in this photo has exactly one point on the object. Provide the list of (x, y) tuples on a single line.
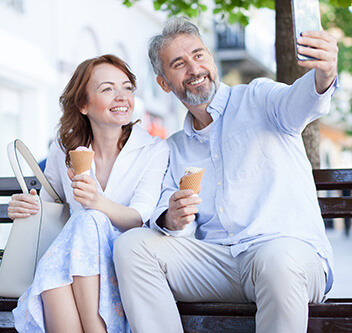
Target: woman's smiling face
[(110, 97)]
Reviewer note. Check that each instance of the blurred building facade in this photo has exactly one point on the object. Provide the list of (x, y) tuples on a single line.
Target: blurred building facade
[(244, 54), (43, 41)]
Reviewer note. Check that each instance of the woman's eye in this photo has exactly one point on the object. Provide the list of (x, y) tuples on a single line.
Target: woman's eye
[(178, 64), (129, 88), (107, 89)]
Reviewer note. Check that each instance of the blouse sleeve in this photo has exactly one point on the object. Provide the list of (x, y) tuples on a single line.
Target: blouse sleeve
[(147, 192)]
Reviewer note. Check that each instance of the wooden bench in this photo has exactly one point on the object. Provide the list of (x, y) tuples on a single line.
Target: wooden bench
[(335, 315), (9, 186)]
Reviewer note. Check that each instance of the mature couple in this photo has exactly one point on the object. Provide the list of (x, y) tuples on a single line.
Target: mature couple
[(254, 234)]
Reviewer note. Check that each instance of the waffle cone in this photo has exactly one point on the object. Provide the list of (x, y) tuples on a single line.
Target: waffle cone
[(81, 160), (192, 182)]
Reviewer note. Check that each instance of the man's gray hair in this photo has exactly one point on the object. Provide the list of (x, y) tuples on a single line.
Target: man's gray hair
[(173, 27)]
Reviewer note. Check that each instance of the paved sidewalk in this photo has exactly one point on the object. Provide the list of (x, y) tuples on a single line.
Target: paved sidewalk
[(342, 249)]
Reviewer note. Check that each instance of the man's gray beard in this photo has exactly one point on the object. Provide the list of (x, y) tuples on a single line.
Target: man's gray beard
[(199, 98), (190, 98)]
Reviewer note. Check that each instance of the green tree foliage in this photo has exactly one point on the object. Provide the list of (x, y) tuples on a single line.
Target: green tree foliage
[(339, 17), (232, 10), (335, 13)]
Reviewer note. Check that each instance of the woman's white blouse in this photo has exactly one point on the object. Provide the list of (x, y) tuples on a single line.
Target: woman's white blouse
[(135, 179)]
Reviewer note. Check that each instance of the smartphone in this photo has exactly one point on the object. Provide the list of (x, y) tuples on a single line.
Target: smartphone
[(306, 17)]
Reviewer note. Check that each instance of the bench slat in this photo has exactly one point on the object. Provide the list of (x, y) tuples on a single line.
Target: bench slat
[(336, 207), (333, 179), (9, 185), (3, 214), (328, 309), (329, 325), (223, 324), (7, 304)]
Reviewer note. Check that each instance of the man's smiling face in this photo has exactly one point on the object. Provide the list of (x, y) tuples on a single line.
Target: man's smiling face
[(189, 69)]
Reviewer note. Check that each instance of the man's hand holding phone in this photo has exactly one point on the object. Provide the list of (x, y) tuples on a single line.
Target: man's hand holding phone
[(323, 47), (315, 48), (182, 210)]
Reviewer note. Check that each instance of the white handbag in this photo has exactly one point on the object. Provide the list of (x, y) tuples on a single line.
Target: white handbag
[(29, 237)]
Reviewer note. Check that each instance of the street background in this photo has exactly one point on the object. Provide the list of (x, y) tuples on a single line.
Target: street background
[(43, 41), (342, 250)]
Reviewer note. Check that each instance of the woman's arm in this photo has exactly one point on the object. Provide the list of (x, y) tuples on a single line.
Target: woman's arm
[(24, 205), (145, 195), (86, 193)]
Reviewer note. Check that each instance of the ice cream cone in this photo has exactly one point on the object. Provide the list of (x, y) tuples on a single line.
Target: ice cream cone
[(81, 160), (192, 181)]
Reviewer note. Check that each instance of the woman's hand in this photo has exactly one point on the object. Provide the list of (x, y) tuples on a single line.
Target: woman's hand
[(23, 205), (85, 190)]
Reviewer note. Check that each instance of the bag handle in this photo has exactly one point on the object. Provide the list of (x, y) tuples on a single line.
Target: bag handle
[(12, 148)]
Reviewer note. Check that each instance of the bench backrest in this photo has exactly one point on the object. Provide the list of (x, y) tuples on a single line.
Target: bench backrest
[(328, 179), (334, 205)]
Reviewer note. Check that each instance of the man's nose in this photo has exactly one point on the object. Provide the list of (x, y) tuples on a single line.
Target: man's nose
[(193, 68)]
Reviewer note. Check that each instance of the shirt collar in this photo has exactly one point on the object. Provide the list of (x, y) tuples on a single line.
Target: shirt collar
[(138, 138), (220, 100), (218, 104)]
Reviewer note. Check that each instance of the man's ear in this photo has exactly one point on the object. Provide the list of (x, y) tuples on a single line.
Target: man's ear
[(163, 83)]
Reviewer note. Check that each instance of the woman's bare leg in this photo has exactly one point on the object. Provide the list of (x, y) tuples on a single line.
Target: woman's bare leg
[(86, 292), (60, 311)]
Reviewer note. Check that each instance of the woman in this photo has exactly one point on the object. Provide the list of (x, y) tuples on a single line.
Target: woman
[(75, 287)]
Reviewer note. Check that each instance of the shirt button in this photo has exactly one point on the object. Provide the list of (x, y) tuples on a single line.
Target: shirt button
[(231, 235), (221, 209), (219, 183), (216, 156)]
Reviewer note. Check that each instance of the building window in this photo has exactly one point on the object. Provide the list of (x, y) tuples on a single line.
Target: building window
[(229, 36)]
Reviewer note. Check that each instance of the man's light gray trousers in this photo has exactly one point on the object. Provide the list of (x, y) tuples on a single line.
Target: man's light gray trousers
[(281, 276)]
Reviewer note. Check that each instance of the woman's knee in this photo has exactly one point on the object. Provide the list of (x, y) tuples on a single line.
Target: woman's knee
[(87, 218)]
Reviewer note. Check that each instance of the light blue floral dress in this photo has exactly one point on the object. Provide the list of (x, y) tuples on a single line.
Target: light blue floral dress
[(85, 245), (74, 252)]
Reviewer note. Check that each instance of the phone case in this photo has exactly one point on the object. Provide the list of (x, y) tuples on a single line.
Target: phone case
[(306, 17)]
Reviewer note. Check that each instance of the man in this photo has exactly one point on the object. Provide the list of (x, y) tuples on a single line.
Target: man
[(255, 233)]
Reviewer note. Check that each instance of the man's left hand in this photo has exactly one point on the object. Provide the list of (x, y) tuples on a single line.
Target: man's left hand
[(323, 47)]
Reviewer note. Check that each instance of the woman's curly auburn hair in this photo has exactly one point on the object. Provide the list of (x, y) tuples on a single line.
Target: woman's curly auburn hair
[(74, 127)]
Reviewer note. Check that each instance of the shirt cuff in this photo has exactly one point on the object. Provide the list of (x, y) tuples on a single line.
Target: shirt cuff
[(143, 210), (330, 91), (188, 231)]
